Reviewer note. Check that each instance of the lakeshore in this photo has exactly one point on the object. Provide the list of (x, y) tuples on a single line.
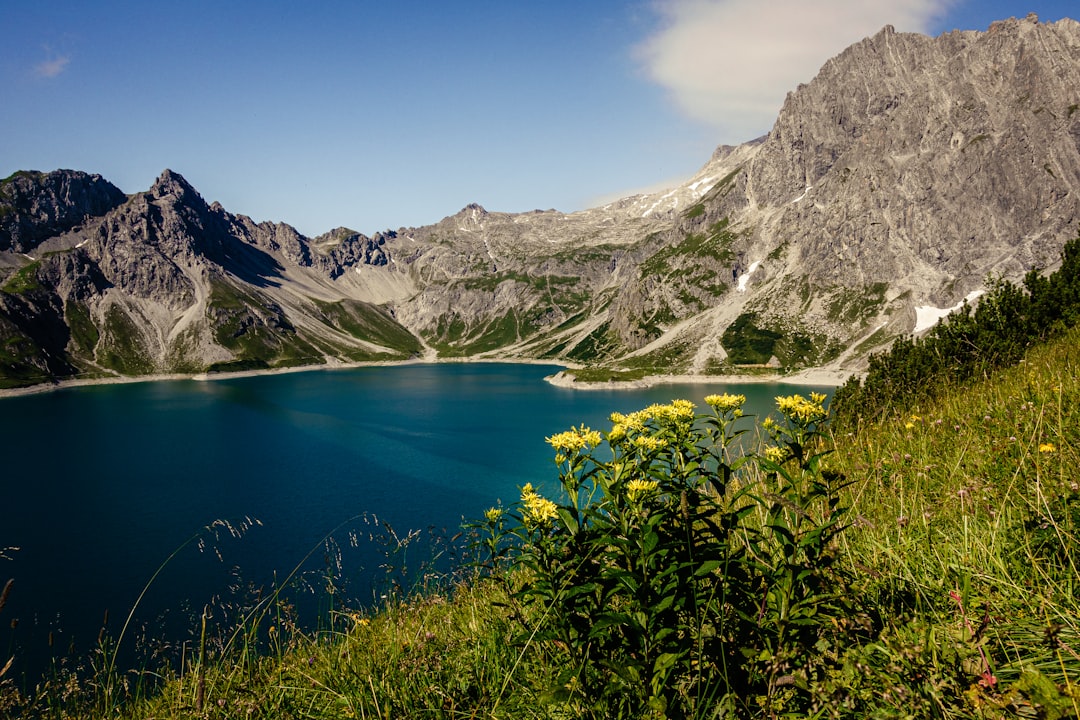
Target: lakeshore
[(809, 376)]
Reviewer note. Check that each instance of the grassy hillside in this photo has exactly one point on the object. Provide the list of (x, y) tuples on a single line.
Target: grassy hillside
[(925, 568)]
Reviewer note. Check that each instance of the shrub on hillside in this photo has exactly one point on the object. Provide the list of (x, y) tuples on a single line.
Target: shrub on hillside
[(969, 344)]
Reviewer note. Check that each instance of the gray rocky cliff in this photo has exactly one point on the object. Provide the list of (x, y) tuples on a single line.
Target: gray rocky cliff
[(35, 206), (910, 156)]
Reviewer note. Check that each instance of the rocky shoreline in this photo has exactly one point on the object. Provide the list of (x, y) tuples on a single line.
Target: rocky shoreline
[(810, 376)]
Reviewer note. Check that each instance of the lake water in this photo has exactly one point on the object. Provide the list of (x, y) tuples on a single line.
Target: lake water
[(101, 484)]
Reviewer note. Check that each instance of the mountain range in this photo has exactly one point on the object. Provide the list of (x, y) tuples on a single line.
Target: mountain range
[(905, 177)]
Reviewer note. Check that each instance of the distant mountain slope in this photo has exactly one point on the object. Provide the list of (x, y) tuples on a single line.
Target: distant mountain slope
[(907, 171)]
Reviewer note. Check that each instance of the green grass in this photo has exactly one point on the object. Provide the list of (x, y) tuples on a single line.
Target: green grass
[(373, 324), (723, 187), (714, 244), (84, 334), (37, 176), (23, 280), (597, 346), (21, 362), (120, 345), (857, 305), (454, 338), (747, 343), (695, 211), (601, 374), (257, 331), (975, 494)]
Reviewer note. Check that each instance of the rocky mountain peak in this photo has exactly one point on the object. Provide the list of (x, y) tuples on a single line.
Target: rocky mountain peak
[(35, 206), (472, 211), (172, 185)]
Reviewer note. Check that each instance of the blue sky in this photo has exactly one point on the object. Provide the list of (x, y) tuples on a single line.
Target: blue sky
[(377, 115)]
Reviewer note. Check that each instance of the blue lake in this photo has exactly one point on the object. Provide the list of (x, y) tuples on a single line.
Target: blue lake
[(101, 484)]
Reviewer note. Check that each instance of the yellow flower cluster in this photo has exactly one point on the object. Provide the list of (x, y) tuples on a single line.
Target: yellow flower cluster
[(493, 514), (637, 489), (799, 410), (726, 403), (575, 439), (536, 510), (1047, 448), (678, 412), (648, 443), (776, 454)]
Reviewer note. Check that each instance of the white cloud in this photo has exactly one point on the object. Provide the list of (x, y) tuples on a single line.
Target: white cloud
[(730, 63), (52, 67)]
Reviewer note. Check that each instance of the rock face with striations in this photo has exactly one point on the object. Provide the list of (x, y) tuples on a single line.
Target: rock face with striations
[(36, 206), (902, 176), (925, 158)]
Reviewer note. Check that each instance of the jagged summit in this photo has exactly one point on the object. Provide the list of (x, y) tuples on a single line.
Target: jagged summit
[(173, 185), (35, 206)]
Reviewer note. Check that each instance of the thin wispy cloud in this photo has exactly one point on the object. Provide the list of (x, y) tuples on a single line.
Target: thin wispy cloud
[(52, 67), (730, 63)]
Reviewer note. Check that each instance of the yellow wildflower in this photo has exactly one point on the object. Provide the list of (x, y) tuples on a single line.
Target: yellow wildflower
[(575, 439), (648, 443), (638, 489), (537, 510), (493, 514), (682, 410), (910, 426), (776, 454), (799, 410), (1047, 448), (618, 432), (636, 420), (726, 402)]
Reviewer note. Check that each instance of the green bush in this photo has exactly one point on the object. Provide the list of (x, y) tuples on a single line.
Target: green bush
[(675, 577)]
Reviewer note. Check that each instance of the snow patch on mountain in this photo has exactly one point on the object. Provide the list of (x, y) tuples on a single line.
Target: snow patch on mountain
[(745, 277), (927, 316)]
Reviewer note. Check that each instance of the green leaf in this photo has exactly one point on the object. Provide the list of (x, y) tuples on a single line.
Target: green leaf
[(569, 519), (649, 542), (707, 568), (666, 602)]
